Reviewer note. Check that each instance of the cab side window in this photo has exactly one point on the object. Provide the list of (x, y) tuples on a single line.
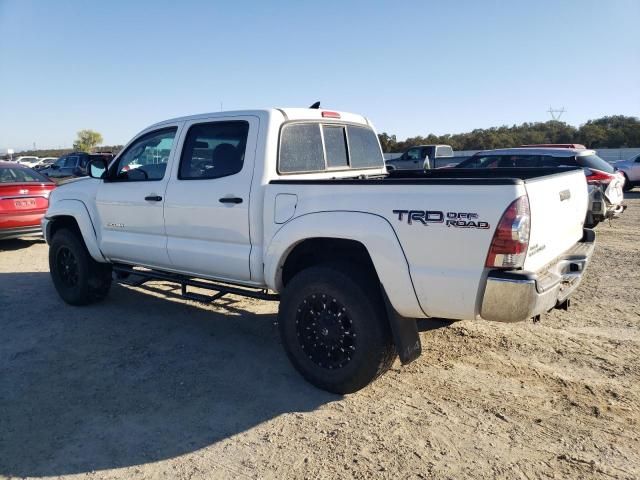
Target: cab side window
[(146, 158), (213, 150), (413, 154)]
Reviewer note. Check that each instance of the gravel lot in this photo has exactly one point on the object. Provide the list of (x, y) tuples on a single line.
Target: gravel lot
[(147, 385)]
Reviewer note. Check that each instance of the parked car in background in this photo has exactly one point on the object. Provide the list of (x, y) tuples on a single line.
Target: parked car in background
[(555, 145), (605, 183), (24, 199), (422, 157), (28, 161), (73, 165), (44, 163), (631, 171)]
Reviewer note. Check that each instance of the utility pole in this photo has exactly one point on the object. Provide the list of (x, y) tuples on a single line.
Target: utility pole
[(556, 113)]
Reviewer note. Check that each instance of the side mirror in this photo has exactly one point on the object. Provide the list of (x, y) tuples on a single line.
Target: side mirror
[(97, 168), (55, 167)]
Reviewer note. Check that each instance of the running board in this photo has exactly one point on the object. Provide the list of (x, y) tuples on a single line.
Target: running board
[(142, 276)]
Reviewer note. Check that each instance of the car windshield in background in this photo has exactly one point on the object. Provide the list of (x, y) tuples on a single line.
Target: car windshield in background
[(596, 163), (19, 175), (535, 161), (504, 161)]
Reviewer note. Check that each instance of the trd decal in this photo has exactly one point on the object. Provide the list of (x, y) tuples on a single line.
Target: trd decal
[(451, 219), (465, 220), (423, 216)]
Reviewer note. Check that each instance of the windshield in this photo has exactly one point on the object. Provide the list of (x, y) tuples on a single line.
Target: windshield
[(502, 161), (12, 175), (596, 163)]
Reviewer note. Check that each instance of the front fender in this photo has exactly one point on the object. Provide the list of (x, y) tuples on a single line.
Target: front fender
[(373, 231), (78, 211)]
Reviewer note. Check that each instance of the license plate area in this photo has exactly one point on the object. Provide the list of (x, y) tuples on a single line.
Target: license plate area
[(25, 203)]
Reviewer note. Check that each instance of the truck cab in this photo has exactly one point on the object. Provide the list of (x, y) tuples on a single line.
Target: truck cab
[(422, 157)]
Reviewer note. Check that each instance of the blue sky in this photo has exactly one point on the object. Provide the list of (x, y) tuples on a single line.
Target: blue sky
[(413, 67)]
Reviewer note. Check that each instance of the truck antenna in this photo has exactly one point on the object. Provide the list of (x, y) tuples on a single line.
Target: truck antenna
[(315, 106)]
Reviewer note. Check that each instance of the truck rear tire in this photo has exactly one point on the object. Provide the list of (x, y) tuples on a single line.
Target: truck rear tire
[(334, 327), (78, 278)]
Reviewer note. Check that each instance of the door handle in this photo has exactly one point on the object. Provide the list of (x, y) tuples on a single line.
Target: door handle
[(230, 200), (153, 198)]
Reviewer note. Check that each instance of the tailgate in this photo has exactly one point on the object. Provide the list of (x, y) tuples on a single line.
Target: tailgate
[(558, 205)]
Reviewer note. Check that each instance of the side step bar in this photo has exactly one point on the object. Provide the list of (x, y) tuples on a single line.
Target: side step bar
[(142, 276)]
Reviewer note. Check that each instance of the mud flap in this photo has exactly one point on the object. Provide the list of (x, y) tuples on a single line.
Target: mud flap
[(405, 333)]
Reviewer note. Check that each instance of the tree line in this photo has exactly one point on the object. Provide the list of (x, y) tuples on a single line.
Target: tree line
[(616, 131)]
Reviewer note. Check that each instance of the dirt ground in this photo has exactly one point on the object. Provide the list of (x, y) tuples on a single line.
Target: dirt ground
[(147, 385)]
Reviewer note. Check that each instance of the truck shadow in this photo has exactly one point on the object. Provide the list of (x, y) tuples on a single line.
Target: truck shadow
[(132, 380), (19, 243)]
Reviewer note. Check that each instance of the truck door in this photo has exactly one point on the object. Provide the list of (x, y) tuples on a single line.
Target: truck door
[(428, 157), (207, 206), (413, 160), (130, 204)]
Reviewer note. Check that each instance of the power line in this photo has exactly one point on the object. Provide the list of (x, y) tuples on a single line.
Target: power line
[(556, 113)]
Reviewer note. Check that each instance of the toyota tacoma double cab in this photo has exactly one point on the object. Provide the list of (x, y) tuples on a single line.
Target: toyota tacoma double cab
[(295, 205)]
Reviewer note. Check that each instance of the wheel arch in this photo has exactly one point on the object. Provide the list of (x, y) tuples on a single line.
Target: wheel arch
[(73, 214), (365, 238)]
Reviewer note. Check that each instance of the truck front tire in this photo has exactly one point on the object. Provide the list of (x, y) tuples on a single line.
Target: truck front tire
[(78, 278), (334, 327)]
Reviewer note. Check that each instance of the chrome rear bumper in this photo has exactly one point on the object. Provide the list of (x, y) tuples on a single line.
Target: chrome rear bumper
[(513, 296)]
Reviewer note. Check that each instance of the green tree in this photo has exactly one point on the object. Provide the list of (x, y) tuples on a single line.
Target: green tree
[(614, 131), (87, 140)]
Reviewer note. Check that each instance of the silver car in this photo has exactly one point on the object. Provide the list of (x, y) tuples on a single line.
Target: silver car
[(631, 171)]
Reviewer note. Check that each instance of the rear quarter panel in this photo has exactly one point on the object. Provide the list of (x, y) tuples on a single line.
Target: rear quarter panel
[(446, 262)]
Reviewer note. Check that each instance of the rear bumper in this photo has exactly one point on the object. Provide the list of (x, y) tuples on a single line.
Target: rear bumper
[(513, 296), (7, 233)]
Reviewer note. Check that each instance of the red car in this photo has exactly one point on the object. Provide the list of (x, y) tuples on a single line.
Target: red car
[(24, 199)]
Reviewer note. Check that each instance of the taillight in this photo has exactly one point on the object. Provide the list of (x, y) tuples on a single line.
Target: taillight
[(596, 177), (511, 238), (327, 114)]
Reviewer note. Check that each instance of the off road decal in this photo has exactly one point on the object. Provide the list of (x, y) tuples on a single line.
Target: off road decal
[(450, 219)]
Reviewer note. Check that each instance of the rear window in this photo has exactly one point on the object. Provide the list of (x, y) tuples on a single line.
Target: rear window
[(335, 144), (314, 147), (11, 175), (364, 148), (596, 163), (444, 151), (301, 148)]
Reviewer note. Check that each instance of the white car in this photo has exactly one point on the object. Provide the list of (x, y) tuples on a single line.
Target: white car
[(295, 205), (44, 162), (27, 161), (631, 171)]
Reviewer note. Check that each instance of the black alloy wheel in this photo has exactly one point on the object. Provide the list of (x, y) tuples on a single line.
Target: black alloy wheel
[(325, 331)]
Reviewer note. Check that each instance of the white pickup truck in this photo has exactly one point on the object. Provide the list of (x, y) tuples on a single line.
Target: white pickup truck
[(295, 205)]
